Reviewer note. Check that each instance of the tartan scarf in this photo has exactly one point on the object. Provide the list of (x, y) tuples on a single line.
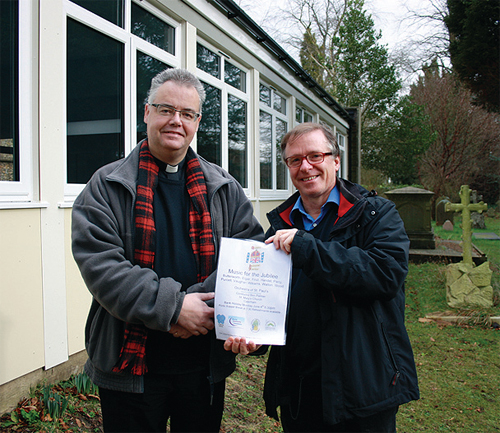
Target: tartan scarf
[(133, 352)]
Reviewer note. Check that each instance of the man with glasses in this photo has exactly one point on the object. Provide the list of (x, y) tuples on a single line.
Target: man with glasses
[(146, 233), (347, 364)]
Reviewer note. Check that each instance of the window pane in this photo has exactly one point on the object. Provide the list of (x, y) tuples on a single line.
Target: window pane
[(9, 90), (152, 29), (147, 68), (279, 103), (266, 156), (234, 76), (208, 61), (237, 138), (281, 170), (209, 131), (298, 114), (308, 117), (111, 10), (95, 101), (265, 95)]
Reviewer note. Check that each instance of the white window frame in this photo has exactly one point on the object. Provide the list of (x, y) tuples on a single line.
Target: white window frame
[(226, 90), (132, 44), (288, 118), (22, 191), (304, 111), (341, 142)]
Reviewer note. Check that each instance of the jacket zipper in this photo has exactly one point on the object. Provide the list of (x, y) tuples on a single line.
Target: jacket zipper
[(393, 361)]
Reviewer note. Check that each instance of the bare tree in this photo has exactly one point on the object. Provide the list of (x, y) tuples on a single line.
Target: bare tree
[(428, 39), (467, 135)]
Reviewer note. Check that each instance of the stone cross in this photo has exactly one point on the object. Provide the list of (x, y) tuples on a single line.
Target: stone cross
[(465, 206)]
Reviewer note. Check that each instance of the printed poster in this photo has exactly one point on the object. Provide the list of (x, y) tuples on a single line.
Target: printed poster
[(252, 291)]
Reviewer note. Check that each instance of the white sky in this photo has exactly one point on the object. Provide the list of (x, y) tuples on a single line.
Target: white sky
[(392, 17)]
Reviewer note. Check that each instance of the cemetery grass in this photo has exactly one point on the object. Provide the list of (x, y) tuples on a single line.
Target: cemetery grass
[(458, 368)]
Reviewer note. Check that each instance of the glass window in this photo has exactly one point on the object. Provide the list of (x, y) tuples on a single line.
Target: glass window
[(265, 95), (237, 138), (208, 61), (150, 28), (281, 170), (222, 135), (147, 68), (279, 103), (9, 90), (111, 10), (273, 126), (95, 101), (266, 150), (234, 76), (302, 115), (209, 136)]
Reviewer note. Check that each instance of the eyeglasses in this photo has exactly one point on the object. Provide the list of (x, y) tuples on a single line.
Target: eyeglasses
[(169, 111), (312, 158)]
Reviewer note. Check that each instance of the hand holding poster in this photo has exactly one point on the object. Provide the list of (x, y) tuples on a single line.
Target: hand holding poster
[(252, 291)]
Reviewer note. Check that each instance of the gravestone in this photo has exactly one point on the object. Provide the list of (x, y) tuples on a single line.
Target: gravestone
[(414, 206), (466, 207), (467, 285), (448, 226), (477, 218), (441, 215)]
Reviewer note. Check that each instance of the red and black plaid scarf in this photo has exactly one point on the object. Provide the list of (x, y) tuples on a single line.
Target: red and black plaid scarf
[(133, 352)]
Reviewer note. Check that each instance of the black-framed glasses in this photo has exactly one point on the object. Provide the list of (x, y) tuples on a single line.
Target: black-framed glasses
[(169, 111), (312, 158)]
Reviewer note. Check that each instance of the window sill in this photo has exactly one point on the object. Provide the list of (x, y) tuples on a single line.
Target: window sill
[(23, 205)]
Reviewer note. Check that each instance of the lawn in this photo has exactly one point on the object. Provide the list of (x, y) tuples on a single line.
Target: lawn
[(458, 367)]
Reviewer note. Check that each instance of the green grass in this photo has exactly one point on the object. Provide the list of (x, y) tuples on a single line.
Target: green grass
[(458, 367)]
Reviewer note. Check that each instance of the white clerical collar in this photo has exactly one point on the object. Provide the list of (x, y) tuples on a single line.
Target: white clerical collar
[(171, 168)]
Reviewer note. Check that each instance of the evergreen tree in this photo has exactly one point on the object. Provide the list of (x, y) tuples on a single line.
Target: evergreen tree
[(474, 47)]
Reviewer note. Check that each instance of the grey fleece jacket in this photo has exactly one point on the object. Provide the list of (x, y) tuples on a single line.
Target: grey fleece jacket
[(103, 247)]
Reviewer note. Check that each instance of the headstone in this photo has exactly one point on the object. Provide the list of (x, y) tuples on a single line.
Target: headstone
[(477, 220), (448, 226), (414, 206), (467, 285), (465, 206), (441, 214)]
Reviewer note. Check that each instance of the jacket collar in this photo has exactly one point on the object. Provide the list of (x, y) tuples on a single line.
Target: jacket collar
[(350, 194)]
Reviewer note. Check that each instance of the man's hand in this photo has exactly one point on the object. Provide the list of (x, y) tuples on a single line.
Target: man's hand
[(239, 345), (196, 316), (179, 332), (283, 239)]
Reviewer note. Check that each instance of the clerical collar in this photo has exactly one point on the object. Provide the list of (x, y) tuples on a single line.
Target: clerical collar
[(167, 168), (171, 168)]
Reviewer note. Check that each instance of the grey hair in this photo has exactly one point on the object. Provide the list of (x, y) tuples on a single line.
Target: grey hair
[(180, 76), (306, 128)]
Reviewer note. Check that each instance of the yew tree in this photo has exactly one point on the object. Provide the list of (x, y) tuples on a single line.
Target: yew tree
[(474, 28)]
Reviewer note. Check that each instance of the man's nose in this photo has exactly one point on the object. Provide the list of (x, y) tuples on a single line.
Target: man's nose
[(176, 117), (305, 164)]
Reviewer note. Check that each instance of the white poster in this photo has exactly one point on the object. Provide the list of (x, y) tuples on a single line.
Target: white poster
[(252, 291)]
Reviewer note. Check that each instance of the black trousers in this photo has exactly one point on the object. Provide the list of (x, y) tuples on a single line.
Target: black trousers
[(185, 398), (305, 414)]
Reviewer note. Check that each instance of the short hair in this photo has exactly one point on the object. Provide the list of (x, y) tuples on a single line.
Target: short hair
[(180, 76), (307, 127)]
